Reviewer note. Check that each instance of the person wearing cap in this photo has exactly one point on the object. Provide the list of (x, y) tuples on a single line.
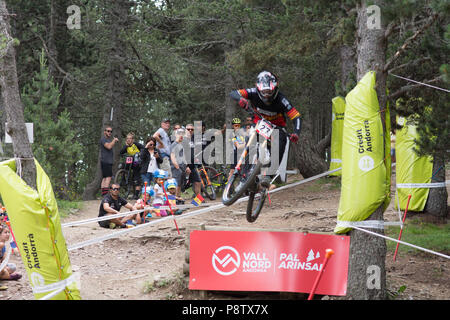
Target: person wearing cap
[(163, 139), (171, 186), (238, 140), (145, 201), (158, 199)]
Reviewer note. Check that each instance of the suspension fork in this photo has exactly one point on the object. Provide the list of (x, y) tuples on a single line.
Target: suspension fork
[(246, 150), (208, 182)]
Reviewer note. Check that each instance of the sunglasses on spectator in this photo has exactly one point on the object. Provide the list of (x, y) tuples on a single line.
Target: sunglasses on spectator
[(151, 144), (190, 129), (115, 189), (108, 130)]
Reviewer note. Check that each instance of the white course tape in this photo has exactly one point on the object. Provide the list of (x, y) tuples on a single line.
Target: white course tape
[(124, 214), (116, 234), (304, 180), (56, 287), (138, 227), (372, 224), (402, 242), (420, 185)]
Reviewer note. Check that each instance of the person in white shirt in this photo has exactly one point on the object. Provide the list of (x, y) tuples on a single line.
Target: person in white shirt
[(163, 139)]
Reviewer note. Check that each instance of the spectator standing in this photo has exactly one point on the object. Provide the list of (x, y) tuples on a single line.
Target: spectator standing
[(151, 160), (106, 158), (133, 149), (176, 127), (238, 140), (111, 205), (248, 124), (163, 139), (178, 163), (193, 175)]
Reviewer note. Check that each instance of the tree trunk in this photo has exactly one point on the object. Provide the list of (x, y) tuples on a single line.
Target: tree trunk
[(348, 70), (230, 106), (367, 272), (115, 96), (91, 189), (436, 205), (12, 102), (306, 156)]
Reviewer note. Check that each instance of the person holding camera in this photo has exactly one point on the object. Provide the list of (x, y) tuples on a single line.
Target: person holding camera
[(132, 148), (150, 160), (106, 158)]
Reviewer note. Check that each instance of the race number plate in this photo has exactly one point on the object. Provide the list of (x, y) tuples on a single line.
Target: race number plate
[(129, 160), (264, 128)]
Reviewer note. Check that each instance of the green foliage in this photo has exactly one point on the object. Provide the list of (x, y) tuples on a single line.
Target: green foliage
[(422, 234), (55, 145), (181, 58), (66, 207)]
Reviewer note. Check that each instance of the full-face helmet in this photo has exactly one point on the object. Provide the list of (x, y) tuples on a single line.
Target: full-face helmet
[(267, 86)]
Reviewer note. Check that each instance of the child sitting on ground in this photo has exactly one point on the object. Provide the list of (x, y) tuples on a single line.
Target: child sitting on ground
[(171, 186), (8, 272), (144, 201), (158, 199), (4, 219)]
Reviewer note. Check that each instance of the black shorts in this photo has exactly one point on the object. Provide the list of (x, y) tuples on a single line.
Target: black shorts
[(179, 175), (104, 223), (137, 176), (193, 176), (106, 170)]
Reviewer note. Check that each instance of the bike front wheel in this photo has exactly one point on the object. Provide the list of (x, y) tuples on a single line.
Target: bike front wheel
[(259, 198), (209, 188), (239, 182)]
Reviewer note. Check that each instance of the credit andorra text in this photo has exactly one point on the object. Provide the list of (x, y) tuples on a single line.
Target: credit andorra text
[(236, 309), (258, 262), (364, 136), (31, 253)]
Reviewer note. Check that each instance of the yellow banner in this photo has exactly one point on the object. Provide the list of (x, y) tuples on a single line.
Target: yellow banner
[(337, 127), (411, 169), (364, 176), (36, 225)]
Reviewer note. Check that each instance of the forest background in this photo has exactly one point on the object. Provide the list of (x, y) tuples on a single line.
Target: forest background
[(85, 64)]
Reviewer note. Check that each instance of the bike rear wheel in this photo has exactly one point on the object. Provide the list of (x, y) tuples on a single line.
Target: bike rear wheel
[(239, 182), (123, 180), (217, 179), (252, 214)]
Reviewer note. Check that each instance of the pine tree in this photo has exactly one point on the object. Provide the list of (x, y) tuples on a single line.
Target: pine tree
[(55, 145)]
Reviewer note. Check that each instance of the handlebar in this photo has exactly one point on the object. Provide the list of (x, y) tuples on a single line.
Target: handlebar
[(253, 111)]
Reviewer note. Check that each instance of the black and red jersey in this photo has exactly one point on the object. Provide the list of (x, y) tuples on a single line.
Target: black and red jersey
[(274, 112)]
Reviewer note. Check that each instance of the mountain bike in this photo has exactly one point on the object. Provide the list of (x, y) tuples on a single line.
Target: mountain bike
[(124, 176), (205, 173), (219, 177), (245, 179)]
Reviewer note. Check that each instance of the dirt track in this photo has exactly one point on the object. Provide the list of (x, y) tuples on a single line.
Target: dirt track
[(148, 263)]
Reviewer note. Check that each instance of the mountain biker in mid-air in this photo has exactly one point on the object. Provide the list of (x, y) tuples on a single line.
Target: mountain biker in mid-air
[(273, 106)]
